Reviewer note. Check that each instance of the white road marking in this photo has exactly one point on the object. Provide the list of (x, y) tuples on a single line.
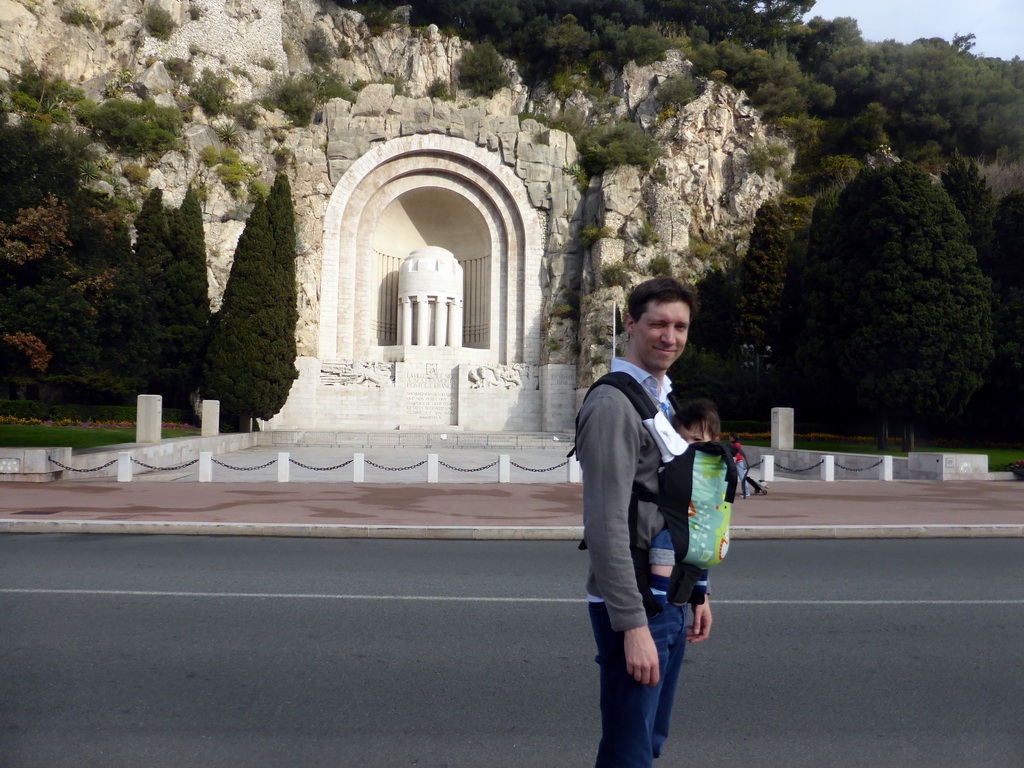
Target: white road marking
[(452, 599)]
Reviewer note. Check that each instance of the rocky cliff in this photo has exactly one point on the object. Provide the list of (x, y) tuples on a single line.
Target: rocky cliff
[(627, 223)]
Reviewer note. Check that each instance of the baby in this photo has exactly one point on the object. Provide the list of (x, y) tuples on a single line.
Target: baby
[(696, 421)]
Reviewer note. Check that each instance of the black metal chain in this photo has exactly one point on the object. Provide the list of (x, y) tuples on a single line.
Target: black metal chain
[(245, 469), (396, 469), (166, 469), (797, 471), (860, 469), (530, 469), (463, 469), (72, 469), (319, 469)]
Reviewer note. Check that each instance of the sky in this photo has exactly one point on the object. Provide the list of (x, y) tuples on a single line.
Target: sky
[(998, 25)]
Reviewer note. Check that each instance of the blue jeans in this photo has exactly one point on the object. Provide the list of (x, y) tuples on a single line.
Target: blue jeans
[(635, 718)]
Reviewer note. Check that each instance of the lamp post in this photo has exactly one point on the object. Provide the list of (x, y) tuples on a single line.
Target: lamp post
[(753, 359)]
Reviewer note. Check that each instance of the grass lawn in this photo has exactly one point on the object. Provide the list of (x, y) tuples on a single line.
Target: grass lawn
[(41, 436), (998, 458)]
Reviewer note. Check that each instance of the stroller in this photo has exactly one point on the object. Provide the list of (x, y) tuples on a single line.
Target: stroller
[(760, 486)]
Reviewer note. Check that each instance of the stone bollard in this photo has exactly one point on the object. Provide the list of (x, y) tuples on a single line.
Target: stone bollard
[(206, 466), (431, 467), (358, 467), (573, 470), (124, 466), (211, 418), (283, 468), (782, 429), (885, 471), (504, 468), (767, 468), (148, 416), (828, 468)]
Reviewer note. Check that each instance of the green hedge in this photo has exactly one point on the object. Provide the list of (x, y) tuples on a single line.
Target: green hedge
[(107, 414)]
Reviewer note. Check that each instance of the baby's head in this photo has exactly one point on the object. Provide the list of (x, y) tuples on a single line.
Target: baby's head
[(697, 421)]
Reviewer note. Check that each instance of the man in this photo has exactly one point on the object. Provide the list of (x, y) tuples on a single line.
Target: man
[(640, 655)]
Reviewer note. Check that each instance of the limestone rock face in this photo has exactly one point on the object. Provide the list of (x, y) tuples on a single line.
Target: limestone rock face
[(636, 223)]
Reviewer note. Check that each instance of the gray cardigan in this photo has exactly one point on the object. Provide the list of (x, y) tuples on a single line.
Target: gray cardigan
[(614, 449)]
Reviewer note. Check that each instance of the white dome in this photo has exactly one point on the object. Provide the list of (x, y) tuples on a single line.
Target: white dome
[(431, 270)]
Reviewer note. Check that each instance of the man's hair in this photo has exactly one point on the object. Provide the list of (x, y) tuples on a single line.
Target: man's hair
[(701, 411), (661, 290)]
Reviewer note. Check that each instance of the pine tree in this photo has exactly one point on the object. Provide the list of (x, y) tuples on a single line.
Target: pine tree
[(250, 364), (184, 306)]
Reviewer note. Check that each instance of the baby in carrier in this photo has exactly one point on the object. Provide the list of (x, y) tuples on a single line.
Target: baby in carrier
[(696, 421)]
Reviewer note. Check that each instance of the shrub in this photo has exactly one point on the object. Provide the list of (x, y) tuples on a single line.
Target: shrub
[(439, 90), (179, 69), (480, 70), (76, 17), (212, 92), (591, 233), (616, 274), (136, 128), (195, 12), (295, 96), (245, 115), (604, 147), (319, 49), (135, 173), (210, 156), (158, 22), (677, 91), (660, 266)]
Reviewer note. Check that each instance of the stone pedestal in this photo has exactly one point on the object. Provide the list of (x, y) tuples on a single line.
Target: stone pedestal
[(148, 418), (782, 429), (211, 418)]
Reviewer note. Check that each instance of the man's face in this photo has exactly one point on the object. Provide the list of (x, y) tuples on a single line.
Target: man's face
[(658, 338)]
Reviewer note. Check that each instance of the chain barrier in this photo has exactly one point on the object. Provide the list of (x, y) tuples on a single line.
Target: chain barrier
[(859, 469), (166, 469), (755, 466), (319, 469), (798, 471), (72, 469), (446, 465), (396, 469), (245, 469), (530, 469)]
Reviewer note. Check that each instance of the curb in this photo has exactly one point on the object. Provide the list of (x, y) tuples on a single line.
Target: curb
[(490, 533)]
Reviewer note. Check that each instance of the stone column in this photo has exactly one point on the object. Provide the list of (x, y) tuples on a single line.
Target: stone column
[(404, 321), (454, 323), (440, 321), (422, 321)]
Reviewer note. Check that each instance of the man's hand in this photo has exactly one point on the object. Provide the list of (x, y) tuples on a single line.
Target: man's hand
[(701, 627), (641, 655)]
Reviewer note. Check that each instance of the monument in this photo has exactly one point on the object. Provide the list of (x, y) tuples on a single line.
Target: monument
[(430, 299)]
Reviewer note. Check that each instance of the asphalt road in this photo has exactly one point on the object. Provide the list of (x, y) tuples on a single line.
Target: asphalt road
[(193, 651)]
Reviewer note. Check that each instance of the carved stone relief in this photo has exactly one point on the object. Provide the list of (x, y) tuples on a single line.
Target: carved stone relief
[(356, 373)]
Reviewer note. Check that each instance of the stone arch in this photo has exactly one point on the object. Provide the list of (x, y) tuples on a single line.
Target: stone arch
[(476, 184)]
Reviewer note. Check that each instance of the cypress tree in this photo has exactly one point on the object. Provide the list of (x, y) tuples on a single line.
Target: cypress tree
[(185, 306), (972, 196), (763, 276), (250, 364), (1008, 265), (152, 254), (903, 304)]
